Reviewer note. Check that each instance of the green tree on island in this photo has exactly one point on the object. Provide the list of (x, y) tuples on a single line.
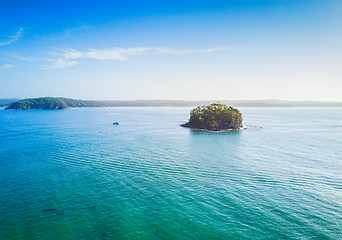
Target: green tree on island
[(214, 117)]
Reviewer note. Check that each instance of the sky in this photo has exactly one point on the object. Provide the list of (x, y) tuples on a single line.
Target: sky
[(188, 50)]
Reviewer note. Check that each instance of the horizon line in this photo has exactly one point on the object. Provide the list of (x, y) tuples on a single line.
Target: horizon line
[(161, 99)]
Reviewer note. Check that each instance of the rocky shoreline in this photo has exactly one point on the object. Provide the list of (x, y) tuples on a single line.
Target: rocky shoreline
[(213, 130)]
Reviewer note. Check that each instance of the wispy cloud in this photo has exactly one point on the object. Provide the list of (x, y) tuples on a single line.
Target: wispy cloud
[(59, 63), (119, 54), (69, 57), (64, 34), (6, 66), (12, 39), (189, 51), (20, 58)]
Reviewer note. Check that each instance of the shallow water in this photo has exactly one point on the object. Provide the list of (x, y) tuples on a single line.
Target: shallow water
[(72, 174)]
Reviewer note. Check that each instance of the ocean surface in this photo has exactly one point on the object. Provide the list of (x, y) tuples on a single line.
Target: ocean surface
[(72, 174)]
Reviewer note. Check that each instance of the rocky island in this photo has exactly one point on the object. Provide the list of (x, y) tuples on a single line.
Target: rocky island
[(214, 117)]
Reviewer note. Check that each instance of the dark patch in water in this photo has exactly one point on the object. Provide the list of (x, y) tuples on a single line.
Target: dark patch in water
[(53, 210), (93, 207), (49, 210), (59, 214)]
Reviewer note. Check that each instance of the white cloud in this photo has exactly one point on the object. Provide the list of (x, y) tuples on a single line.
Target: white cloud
[(119, 54), (59, 63), (67, 57), (189, 51), (12, 39), (21, 58), (6, 66), (71, 54)]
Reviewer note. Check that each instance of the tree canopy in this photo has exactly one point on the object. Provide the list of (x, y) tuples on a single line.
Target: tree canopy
[(215, 117), (51, 103), (39, 103)]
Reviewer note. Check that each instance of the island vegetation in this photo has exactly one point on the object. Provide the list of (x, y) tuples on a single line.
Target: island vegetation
[(39, 103), (51, 103), (5, 102), (214, 117)]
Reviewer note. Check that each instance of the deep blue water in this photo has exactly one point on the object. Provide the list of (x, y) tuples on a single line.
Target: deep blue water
[(71, 174)]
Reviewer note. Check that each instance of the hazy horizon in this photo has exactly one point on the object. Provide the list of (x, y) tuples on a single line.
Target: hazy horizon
[(184, 50), (175, 99), (190, 100), (169, 99)]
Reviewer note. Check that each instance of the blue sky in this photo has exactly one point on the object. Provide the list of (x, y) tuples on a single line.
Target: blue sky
[(191, 50)]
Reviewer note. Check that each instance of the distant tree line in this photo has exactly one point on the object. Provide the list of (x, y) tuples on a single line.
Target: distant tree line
[(4, 102), (57, 103), (51, 103), (39, 103)]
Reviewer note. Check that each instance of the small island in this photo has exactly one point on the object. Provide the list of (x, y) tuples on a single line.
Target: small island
[(214, 117)]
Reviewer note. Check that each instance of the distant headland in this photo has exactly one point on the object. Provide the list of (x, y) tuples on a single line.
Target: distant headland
[(64, 103), (214, 117), (50, 103)]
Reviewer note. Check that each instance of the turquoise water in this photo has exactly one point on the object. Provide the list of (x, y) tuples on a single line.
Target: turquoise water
[(71, 174)]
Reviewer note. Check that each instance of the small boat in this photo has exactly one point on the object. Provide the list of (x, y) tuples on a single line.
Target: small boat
[(116, 123)]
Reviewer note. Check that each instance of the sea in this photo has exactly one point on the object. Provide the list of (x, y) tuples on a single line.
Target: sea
[(72, 174)]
